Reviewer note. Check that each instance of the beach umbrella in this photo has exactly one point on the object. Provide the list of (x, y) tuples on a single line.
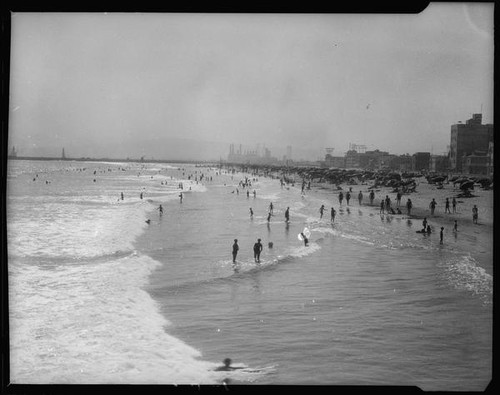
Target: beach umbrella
[(467, 185), (439, 178)]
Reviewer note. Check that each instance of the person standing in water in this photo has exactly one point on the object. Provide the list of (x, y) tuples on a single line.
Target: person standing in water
[(257, 249), (271, 208), (160, 209), (287, 214), (341, 197), (432, 206), (441, 235), (474, 214), (332, 215), (382, 206), (447, 206), (251, 212), (235, 249), (454, 205), (306, 240), (181, 196), (348, 197), (372, 196), (455, 226), (321, 210), (409, 206), (360, 197)]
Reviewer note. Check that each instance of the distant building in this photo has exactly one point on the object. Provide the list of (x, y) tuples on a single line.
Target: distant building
[(475, 163), (352, 159), (371, 159), (490, 159), (439, 163), (401, 163), (467, 138), (421, 161), (334, 161), (249, 156)]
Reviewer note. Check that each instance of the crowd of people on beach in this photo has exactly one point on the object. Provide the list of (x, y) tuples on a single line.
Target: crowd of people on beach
[(387, 207)]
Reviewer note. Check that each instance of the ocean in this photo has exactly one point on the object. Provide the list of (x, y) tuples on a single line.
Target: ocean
[(99, 296)]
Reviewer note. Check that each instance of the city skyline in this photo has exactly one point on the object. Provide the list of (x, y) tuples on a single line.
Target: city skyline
[(167, 85)]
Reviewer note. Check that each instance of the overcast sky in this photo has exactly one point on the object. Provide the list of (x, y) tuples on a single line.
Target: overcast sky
[(161, 85)]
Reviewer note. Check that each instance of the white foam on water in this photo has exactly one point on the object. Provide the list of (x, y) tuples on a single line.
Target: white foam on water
[(299, 252), (75, 230), (464, 273), (358, 238), (93, 323), (329, 230), (82, 315), (273, 197)]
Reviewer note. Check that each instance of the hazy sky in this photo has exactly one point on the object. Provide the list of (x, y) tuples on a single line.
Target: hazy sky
[(127, 84)]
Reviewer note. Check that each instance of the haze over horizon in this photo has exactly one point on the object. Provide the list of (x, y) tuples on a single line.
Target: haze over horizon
[(185, 86)]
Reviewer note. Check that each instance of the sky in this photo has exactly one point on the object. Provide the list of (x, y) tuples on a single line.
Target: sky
[(186, 86)]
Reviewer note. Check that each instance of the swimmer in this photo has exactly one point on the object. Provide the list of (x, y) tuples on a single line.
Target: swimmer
[(257, 249), (235, 249), (306, 240), (227, 366), (372, 196), (474, 214), (148, 221), (321, 210)]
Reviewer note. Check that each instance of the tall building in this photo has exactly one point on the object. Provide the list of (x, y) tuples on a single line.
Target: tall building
[(468, 138), (421, 161)]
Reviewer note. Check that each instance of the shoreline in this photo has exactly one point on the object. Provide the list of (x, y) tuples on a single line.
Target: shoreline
[(481, 233)]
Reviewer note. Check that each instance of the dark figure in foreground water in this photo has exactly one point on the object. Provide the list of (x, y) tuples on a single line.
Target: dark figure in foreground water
[(227, 366)]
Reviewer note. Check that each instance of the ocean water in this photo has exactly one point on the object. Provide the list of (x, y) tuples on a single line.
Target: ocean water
[(97, 295)]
